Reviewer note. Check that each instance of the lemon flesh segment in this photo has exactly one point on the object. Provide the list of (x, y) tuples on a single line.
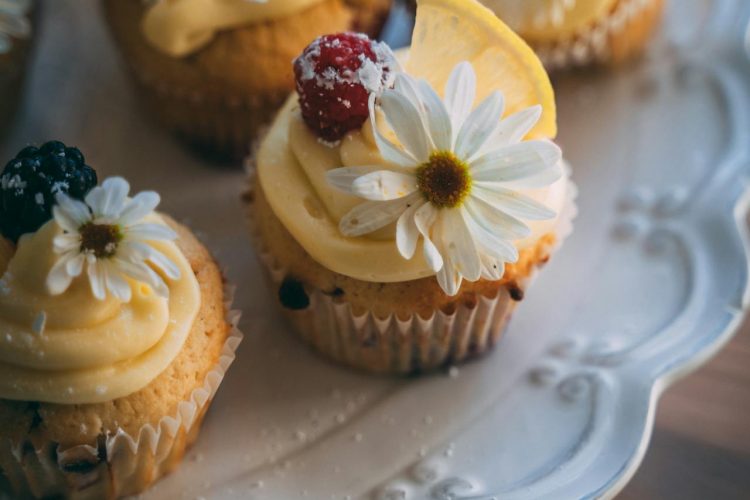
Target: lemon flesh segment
[(550, 20), (448, 32)]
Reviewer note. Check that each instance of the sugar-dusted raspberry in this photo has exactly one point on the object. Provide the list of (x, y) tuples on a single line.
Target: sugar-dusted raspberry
[(335, 76)]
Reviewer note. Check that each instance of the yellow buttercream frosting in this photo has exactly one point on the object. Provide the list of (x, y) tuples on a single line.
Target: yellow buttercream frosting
[(291, 166), (180, 27), (549, 20), (75, 349)]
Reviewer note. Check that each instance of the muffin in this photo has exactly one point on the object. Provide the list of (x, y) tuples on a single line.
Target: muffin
[(115, 332), (569, 33), (215, 71), (15, 48), (401, 211)]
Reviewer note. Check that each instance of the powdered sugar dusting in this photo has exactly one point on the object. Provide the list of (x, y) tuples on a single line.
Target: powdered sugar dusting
[(372, 75)]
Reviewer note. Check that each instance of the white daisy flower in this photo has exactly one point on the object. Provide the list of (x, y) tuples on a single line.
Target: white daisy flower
[(106, 235), (454, 179)]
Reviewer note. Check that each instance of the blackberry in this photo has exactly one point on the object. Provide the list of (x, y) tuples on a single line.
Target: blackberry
[(30, 181)]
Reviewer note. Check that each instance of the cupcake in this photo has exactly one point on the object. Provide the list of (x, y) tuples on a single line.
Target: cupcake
[(580, 32), (115, 333), (401, 204), (215, 71), (15, 47)]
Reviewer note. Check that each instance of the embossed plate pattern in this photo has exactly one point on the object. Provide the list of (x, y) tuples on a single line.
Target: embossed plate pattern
[(652, 283)]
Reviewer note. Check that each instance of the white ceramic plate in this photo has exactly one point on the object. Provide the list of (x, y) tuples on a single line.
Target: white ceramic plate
[(652, 282)]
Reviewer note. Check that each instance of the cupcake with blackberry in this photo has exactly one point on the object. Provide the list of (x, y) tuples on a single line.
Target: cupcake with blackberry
[(114, 331), (580, 32), (215, 71), (15, 48), (401, 208)]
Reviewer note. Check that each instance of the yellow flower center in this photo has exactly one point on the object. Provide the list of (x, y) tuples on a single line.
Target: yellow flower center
[(100, 239), (444, 180)]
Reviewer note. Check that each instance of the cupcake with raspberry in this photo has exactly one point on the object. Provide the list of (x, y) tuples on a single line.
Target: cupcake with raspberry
[(114, 337), (401, 208), (215, 71), (15, 48), (569, 33)]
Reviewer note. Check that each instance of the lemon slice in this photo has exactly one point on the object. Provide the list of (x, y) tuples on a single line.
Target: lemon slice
[(550, 20), (448, 32)]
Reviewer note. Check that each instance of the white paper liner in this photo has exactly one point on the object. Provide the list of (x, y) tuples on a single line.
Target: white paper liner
[(592, 44), (393, 345), (131, 463)]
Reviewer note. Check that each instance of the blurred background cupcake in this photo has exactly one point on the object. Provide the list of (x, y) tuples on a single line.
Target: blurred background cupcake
[(15, 48), (215, 71), (568, 33), (401, 211)]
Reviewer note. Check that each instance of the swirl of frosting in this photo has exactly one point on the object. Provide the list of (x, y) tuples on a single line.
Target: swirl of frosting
[(550, 19), (180, 27), (74, 349), (14, 22), (292, 165)]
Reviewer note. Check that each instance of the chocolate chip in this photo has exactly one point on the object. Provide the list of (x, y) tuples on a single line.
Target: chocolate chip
[(80, 467), (336, 293), (292, 294), (515, 293)]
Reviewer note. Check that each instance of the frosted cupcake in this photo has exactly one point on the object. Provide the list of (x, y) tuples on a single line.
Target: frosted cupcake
[(215, 71), (114, 332), (580, 32), (15, 48), (401, 212)]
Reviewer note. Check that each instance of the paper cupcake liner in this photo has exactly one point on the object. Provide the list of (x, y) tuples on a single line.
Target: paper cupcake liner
[(615, 38), (121, 464), (393, 345)]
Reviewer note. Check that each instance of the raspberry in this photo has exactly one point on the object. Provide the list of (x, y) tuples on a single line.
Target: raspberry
[(335, 76), (30, 181)]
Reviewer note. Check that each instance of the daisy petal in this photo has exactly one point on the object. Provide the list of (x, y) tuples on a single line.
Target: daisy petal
[(389, 151), (449, 279), (116, 284), (74, 266), (500, 224), (146, 252), (425, 218), (515, 127), (107, 201), (144, 274), (384, 185), (513, 202), (460, 92), (343, 178), (404, 117), (437, 117), (517, 162), (66, 242), (488, 243), (97, 279), (492, 269), (407, 86), (70, 214), (480, 125), (372, 215), (150, 232), (168, 267), (459, 244), (58, 279), (139, 207), (543, 179), (407, 233)]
